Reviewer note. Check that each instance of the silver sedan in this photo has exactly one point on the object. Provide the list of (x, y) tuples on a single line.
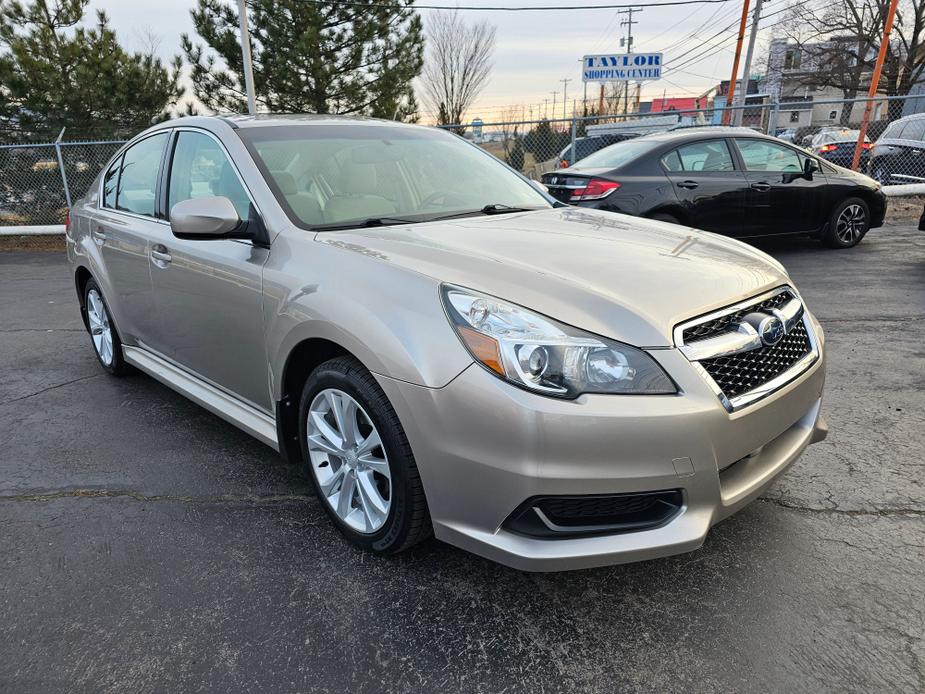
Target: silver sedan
[(444, 348)]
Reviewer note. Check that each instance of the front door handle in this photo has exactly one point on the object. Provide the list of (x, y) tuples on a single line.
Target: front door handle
[(690, 185), (160, 255), (761, 187)]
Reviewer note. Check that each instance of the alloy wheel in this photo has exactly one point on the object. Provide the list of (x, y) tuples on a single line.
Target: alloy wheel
[(349, 461), (851, 224), (100, 327)]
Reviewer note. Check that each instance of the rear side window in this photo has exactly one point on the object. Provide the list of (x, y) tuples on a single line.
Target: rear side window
[(895, 130), (914, 130), (137, 189), (200, 169), (710, 155), (110, 181)]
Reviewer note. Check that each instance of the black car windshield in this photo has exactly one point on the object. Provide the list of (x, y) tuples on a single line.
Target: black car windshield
[(617, 155), (332, 175)]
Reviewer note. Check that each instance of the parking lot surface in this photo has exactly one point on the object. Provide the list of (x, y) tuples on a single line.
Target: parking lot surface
[(148, 546)]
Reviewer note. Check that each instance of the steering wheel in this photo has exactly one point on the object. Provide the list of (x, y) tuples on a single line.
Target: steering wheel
[(447, 198)]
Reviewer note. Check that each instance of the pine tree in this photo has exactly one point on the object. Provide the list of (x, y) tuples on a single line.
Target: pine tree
[(310, 57), (56, 72)]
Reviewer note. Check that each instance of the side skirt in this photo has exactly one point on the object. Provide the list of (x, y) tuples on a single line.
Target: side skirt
[(259, 425)]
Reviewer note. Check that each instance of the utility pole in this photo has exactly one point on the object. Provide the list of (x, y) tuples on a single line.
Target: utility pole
[(546, 108), (554, 103), (628, 23), (565, 95), (742, 93), (874, 83), (730, 97), (246, 56)]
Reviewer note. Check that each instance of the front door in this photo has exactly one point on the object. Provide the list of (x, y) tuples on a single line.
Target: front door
[(707, 184), (209, 293), (781, 199)]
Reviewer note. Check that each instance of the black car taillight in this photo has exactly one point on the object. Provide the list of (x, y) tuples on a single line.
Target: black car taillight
[(596, 189)]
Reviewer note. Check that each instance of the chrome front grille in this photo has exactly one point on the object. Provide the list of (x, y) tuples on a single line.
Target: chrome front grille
[(749, 350)]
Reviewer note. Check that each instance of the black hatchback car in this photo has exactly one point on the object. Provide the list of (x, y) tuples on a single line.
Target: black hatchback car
[(898, 155), (733, 181)]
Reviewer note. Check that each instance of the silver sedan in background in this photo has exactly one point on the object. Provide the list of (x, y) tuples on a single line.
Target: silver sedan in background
[(443, 347)]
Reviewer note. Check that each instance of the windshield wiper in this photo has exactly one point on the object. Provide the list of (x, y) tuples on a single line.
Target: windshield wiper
[(366, 223), (493, 208)]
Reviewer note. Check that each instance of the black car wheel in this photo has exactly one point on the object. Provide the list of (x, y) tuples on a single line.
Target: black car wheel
[(848, 224), (880, 174), (357, 455)]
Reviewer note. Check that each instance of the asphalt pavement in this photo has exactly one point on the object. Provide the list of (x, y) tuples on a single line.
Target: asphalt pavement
[(148, 546)]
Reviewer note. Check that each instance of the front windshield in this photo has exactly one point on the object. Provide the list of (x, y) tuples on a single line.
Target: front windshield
[(616, 155), (333, 174)]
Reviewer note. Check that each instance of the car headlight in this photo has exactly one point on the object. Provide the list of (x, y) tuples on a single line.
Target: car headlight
[(544, 356)]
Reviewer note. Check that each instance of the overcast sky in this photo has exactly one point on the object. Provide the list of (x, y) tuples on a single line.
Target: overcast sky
[(534, 49)]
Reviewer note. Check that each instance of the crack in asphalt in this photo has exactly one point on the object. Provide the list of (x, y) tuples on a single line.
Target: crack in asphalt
[(884, 512), (43, 330), (45, 390), (139, 496)]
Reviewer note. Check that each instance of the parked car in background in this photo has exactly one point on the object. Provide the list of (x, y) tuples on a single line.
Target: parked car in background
[(443, 348), (585, 146), (837, 145), (898, 156), (732, 181), (787, 135)]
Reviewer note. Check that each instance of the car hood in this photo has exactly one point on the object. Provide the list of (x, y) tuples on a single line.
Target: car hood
[(626, 278)]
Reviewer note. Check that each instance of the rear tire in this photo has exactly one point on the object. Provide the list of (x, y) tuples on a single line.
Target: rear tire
[(358, 458), (103, 333), (849, 223), (665, 217)]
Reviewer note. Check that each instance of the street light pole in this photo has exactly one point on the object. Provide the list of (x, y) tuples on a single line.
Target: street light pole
[(246, 58)]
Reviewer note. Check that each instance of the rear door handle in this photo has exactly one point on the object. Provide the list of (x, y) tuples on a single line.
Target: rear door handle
[(690, 185), (761, 187), (98, 235), (160, 254)]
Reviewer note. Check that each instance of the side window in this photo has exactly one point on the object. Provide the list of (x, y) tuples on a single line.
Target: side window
[(711, 155), (200, 169), (138, 180), (894, 130), (672, 161), (914, 130), (760, 155), (110, 181)]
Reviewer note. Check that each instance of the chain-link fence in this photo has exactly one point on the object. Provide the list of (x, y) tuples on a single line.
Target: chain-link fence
[(893, 150), (38, 182)]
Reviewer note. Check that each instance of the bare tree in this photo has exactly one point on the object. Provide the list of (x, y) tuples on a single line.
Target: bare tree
[(838, 44), (457, 64)]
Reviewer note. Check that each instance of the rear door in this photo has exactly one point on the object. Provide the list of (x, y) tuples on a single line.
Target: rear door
[(123, 227), (781, 200), (209, 294), (907, 153), (708, 185)]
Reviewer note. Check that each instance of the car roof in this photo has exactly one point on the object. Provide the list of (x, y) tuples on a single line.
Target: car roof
[(264, 120), (700, 132)]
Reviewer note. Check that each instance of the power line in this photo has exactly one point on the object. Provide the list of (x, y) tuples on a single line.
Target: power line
[(519, 8)]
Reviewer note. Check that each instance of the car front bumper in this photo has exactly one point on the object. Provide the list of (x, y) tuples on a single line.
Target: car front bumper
[(483, 447)]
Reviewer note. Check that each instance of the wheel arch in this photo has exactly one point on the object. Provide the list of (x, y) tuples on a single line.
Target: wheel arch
[(670, 208), (81, 276), (302, 360)]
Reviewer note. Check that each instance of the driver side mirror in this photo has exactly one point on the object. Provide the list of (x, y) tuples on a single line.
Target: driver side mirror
[(810, 166), (204, 218)]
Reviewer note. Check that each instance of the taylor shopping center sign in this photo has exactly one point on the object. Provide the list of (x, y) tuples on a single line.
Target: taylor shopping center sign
[(620, 67)]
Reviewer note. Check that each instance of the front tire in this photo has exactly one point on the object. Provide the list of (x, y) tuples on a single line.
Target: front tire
[(103, 334), (848, 224), (356, 453)]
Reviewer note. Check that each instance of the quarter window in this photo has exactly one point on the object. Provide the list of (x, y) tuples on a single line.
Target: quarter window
[(711, 155), (914, 130), (200, 169), (137, 189), (760, 155), (110, 181)]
